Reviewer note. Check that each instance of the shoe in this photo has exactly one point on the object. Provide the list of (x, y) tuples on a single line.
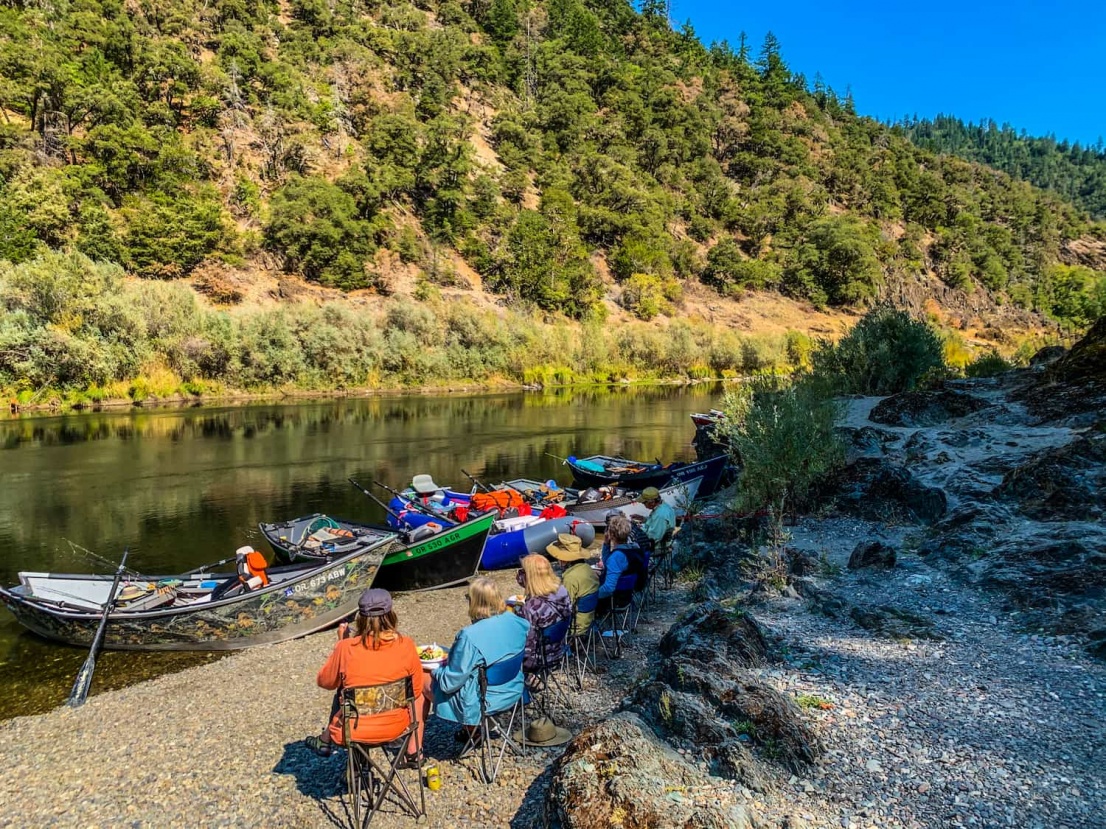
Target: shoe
[(408, 761), (319, 746)]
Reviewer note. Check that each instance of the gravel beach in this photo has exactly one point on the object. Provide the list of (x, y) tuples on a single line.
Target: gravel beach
[(222, 744)]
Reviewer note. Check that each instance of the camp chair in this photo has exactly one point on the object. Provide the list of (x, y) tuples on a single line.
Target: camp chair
[(615, 621), (544, 677), (372, 780), (582, 642), (660, 565), (500, 722)]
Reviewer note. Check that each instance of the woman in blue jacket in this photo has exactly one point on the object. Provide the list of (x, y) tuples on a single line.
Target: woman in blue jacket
[(494, 635)]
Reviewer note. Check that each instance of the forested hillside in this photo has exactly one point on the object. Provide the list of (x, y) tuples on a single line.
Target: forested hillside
[(1076, 172), (560, 154)]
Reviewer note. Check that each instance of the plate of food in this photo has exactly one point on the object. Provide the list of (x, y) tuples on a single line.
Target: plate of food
[(513, 600), (432, 656)]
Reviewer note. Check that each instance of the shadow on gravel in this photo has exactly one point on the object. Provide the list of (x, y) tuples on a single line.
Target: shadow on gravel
[(323, 780), (531, 811)]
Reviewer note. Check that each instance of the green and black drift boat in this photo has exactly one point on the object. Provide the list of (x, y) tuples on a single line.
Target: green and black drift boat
[(429, 557)]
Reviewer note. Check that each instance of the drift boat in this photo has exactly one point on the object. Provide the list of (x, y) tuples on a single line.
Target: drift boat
[(426, 559), (512, 536), (198, 610), (595, 510), (603, 470)]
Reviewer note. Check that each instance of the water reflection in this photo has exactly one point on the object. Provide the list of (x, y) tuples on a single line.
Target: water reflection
[(183, 487)]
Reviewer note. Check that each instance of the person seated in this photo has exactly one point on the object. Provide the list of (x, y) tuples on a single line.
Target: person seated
[(494, 635), (620, 557), (578, 577), (661, 520), (375, 654), (547, 602)]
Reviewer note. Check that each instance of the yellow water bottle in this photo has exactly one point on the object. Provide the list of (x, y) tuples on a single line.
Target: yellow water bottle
[(433, 778)]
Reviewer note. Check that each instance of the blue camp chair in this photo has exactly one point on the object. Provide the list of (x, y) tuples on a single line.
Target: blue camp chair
[(543, 679), (498, 723), (582, 642)]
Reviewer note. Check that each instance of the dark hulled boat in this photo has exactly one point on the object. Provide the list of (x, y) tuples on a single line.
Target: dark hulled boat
[(197, 611), (603, 470), (424, 560)]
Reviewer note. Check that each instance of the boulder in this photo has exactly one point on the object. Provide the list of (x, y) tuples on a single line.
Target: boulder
[(618, 773), (1072, 390), (872, 554), (1066, 482), (893, 622), (925, 408), (866, 441), (709, 630), (1047, 356), (879, 490)]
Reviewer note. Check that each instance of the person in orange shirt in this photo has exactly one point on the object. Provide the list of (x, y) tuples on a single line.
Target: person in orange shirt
[(374, 654)]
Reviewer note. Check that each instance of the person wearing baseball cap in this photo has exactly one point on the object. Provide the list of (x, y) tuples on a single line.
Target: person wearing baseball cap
[(661, 519), (373, 653)]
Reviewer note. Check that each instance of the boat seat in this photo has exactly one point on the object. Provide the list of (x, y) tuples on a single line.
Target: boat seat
[(150, 599)]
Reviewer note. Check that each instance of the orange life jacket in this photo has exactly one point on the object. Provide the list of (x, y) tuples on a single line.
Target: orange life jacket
[(500, 499)]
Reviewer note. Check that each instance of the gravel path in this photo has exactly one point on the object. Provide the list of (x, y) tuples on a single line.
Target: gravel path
[(988, 727), (221, 744)]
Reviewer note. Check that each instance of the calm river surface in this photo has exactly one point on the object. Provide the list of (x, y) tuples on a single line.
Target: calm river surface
[(186, 487)]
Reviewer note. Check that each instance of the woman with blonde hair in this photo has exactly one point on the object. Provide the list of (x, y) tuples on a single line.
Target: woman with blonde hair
[(547, 602), (493, 636)]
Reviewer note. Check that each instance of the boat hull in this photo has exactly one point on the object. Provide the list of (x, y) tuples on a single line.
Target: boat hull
[(449, 558), (710, 470), (311, 601)]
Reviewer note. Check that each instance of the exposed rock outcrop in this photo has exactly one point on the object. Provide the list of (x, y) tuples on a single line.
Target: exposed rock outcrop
[(1068, 482), (872, 554), (878, 489), (1073, 389), (620, 774), (926, 408)]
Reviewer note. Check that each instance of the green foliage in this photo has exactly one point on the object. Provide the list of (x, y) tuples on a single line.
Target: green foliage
[(836, 262), (988, 365), (782, 433), (1077, 172), (316, 226), (888, 351)]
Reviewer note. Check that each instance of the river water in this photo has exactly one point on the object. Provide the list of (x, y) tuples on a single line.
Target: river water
[(183, 487)]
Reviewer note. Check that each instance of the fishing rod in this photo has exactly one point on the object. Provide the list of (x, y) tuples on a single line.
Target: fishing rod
[(554, 457), (96, 557), (379, 503), (211, 566), (411, 502), (476, 481), (84, 676)]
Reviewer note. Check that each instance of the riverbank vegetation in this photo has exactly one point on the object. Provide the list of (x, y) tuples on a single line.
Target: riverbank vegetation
[(78, 331), (563, 155)]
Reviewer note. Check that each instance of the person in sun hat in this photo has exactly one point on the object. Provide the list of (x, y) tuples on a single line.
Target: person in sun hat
[(661, 519), (578, 577), (375, 653), (542, 732)]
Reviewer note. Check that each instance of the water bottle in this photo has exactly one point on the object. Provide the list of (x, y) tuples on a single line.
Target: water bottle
[(433, 778)]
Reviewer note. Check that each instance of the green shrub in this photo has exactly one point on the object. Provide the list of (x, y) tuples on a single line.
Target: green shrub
[(782, 434), (988, 365), (887, 352)]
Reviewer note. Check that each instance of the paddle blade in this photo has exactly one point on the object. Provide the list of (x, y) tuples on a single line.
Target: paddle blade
[(82, 684)]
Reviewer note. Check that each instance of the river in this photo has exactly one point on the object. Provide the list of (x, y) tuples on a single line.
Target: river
[(182, 487)]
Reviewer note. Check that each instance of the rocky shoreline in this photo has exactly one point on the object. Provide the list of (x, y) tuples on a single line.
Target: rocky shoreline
[(928, 660)]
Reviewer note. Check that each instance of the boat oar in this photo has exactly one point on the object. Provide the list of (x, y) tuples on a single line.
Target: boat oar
[(380, 503), (475, 481), (413, 502), (556, 457), (84, 677), (212, 566)]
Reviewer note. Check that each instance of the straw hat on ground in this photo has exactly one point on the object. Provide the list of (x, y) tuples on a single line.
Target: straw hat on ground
[(542, 732), (568, 548)]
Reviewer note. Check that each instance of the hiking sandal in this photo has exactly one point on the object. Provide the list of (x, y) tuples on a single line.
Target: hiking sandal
[(319, 746)]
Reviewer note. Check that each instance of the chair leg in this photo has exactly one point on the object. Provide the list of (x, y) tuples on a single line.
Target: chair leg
[(353, 783)]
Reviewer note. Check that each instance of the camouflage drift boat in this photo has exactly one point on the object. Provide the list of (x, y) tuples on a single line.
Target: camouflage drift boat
[(199, 610), (425, 558)]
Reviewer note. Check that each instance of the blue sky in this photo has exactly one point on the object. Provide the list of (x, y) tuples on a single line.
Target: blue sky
[(1038, 65)]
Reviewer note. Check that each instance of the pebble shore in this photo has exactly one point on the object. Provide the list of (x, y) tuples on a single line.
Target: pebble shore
[(987, 726)]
